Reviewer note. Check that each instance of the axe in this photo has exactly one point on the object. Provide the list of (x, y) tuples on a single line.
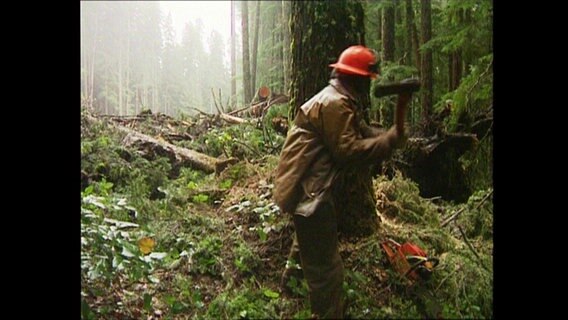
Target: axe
[(407, 87)]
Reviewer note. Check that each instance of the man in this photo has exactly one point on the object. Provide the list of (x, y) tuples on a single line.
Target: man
[(328, 135)]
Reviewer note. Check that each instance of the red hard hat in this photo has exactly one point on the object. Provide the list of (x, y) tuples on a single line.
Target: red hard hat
[(358, 60)]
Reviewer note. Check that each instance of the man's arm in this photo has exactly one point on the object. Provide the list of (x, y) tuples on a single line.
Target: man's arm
[(340, 136)]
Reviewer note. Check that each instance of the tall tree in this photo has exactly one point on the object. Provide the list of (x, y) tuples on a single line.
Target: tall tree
[(388, 30), (412, 44), (233, 58), (286, 44), (455, 56), (171, 72), (246, 55), (310, 71), (216, 66), (255, 47), (278, 53), (399, 35), (426, 64), (89, 39)]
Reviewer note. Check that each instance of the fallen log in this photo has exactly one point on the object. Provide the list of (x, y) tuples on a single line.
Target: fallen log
[(177, 155)]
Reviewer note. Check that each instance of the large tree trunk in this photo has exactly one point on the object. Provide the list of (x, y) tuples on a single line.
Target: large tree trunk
[(246, 54), (310, 73), (426, 74), (255, 48), (233, 58), (388, 31)]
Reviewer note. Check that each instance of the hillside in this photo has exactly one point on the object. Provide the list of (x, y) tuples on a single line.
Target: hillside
[(162, 238)]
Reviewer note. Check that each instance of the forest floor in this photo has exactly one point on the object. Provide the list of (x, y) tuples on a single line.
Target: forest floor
[(164, 241)]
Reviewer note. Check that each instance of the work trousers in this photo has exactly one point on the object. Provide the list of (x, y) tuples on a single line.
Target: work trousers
[(320, 260)]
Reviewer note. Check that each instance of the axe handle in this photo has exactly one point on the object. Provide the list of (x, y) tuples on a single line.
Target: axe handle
[(400, 113)]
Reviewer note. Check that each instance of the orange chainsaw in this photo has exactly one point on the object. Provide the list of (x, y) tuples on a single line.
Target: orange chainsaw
[(409, 260)]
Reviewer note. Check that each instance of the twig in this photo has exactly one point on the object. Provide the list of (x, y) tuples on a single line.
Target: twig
[(202, 112), (136, 117), (248, 147), (239, 110), (446, 278), (452, 217), (472, 248), (221, 101), (455, 215), (215, 101)]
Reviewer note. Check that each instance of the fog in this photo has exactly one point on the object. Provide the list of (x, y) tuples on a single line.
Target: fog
[(164, 56)]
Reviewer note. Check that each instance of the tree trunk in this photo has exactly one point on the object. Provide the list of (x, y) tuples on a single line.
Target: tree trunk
[(388, 31), (106, 100), (127, 84), (380, 22), (120, 88), (233, 58), (455, 70), (255, 48), (466, 58), (409, 24), (310, 73), (399, 51), (426, 74), (246, 55), (455, 58), (414, 48), (279, 53), (286, 44)]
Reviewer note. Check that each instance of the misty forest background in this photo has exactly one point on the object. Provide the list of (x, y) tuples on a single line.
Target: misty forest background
[(179, 142)]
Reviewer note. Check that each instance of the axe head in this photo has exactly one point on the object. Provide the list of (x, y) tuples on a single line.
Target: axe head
[(409, 85)]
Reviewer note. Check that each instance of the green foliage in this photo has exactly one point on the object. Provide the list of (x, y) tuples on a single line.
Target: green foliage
[(239, 141), (478, 220), (247, 303), (109, 247), (465, 286), (245, 259), (474, 95), (407, 205), (206, 257)]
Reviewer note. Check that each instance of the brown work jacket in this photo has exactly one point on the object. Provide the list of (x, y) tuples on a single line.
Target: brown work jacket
[(328, 134)]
